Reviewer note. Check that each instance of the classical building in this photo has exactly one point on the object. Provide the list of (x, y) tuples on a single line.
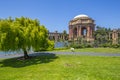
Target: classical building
[(114, 36), (81, 26), (57, 36)]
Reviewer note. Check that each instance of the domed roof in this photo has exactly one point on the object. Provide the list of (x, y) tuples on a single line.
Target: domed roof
[(81, 15)]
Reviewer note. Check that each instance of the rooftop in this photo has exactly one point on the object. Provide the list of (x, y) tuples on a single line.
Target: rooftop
[(81, 15)]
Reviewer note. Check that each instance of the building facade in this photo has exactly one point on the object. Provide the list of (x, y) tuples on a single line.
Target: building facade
[(114, 36), (81, 26), (55, 36)]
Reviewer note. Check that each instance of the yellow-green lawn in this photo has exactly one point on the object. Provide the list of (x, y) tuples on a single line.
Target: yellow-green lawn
[(61, 67)]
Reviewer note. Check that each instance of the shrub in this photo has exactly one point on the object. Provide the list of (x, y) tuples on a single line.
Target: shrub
[(50, 45), (77, 46), (105, 45), (115, 45), (88, 46)]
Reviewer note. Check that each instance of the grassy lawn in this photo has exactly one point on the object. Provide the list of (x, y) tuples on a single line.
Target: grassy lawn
[(97, 50), (61, 67)]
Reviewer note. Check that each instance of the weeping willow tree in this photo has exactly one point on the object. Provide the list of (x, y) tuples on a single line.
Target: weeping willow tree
[(22, 33)]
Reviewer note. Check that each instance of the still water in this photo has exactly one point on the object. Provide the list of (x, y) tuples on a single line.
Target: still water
[(10, 52), (61, 44)]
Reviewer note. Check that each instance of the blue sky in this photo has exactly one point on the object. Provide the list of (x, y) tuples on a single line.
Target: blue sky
[(56, 14)]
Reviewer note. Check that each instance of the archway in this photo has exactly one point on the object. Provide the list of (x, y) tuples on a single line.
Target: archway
[(84, 32), (75, 32)]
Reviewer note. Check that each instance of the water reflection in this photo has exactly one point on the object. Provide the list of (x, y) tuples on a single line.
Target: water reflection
[(61, 44)]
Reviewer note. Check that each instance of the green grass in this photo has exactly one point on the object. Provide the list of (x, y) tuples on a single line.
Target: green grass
[(97, 50), (61, 67)]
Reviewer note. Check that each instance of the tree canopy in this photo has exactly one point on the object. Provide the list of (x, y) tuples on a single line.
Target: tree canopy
[(22, 33), (101, 34)]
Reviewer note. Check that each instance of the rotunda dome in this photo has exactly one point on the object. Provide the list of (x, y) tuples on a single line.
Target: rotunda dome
[(81, 15)]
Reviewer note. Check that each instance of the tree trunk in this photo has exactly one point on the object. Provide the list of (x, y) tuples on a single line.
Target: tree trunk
[(25, 54)]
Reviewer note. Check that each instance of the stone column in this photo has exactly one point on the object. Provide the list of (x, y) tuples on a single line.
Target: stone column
[(79, 31), (90, 35), (70, 32), (114, 37), (92, 29), (88, 31)]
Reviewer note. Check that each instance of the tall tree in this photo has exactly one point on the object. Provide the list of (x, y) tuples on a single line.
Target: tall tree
[(64, 34), (22, 33), (101, 35)]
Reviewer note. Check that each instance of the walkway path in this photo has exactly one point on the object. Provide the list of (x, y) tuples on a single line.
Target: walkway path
[(91, 53), (62, 53), (81, 53)]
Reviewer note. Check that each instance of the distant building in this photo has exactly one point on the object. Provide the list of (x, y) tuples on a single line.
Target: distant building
[(81, 26), (114, 36), (57, 36)]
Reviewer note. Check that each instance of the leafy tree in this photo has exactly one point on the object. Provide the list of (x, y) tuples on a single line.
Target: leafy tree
[(64, 34), (101, 35), (22, 33)]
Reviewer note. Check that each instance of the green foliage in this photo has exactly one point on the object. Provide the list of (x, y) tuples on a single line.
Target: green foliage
[(101, 35), (105, 45), (64, 34), (102, 38), (50, 45), (22, 33), (77, 46), (115, 45), (82, 45), (108, 45), (88, 46)]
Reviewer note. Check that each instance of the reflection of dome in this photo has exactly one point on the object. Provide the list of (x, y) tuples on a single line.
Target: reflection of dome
[(81, 15)]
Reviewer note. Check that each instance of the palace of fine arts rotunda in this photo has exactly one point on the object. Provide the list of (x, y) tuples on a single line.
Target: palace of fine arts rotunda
[(81, 26)]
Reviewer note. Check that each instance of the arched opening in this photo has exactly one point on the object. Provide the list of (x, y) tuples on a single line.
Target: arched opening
[(75, 33), (84, 32)]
